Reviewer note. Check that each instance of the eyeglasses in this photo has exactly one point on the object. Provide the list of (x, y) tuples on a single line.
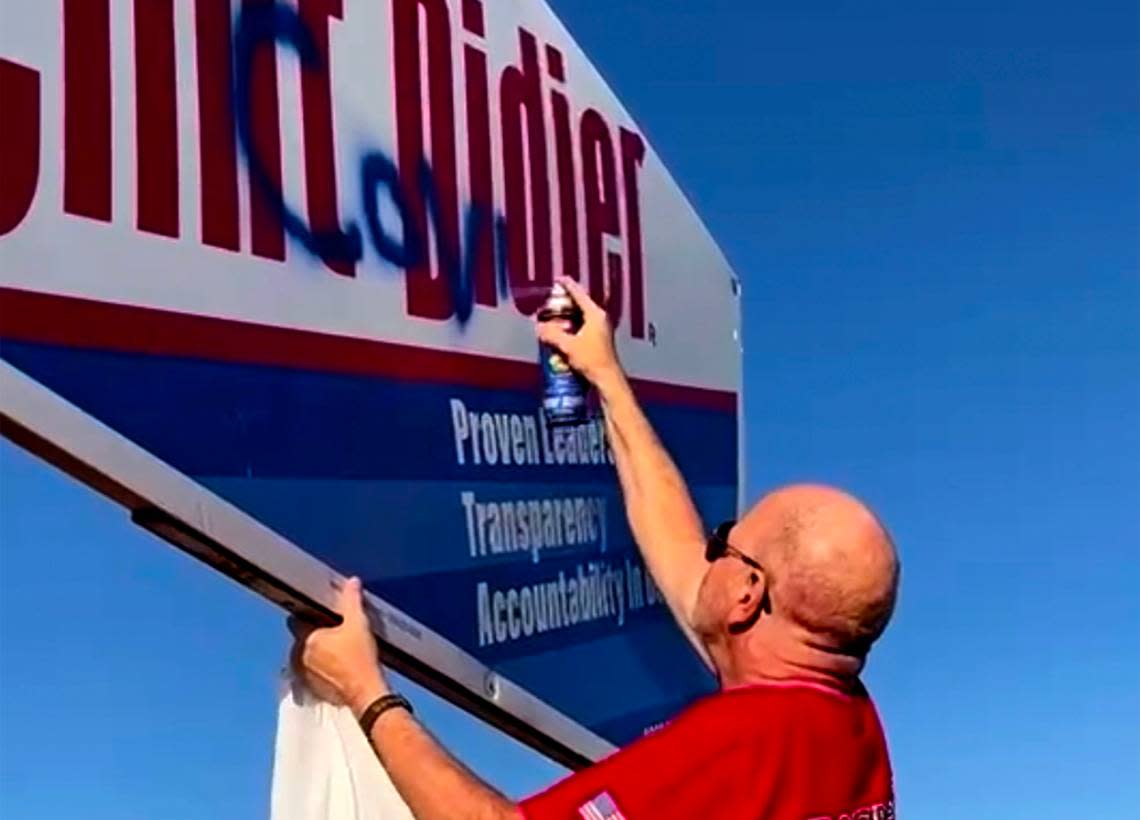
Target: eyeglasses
[(717, 547)]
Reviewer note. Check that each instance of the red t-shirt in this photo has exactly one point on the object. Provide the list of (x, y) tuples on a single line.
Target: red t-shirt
[(778, 751)]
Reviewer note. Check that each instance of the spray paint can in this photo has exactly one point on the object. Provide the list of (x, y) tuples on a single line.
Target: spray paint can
[(563, 391)]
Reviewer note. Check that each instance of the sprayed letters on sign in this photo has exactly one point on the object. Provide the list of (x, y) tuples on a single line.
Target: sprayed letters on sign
[(479, 254)]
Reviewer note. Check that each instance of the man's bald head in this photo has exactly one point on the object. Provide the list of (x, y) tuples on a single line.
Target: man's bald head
[(830, 574), (833, 566)]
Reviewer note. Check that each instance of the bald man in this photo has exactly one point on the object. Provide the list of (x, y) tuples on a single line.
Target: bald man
[(783, 606)]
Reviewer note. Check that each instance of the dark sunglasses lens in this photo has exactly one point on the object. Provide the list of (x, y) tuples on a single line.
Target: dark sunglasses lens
[(714, 548), (717, 545)]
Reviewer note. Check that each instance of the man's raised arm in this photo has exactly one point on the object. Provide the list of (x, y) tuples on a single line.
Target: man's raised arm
[(661, 512)]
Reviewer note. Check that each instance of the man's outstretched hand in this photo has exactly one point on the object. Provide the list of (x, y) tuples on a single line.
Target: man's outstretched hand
[(341, 664), (591, 350)]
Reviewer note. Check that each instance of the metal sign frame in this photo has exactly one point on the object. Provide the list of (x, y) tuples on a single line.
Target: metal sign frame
[(182, 512)]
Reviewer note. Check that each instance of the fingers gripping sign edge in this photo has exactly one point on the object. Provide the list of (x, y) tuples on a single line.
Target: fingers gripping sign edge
[(350, 602), (341, 663)]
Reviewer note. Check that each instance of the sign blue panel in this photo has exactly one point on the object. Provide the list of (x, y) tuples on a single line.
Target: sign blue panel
[(455, 503)]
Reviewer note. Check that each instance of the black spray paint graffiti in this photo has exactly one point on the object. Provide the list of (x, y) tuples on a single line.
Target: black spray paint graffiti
[(268, 26)]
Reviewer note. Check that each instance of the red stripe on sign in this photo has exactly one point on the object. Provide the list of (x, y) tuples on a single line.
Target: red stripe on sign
[(87, 108), (267, 232), (27, 316), (156, 120), (217, 148)]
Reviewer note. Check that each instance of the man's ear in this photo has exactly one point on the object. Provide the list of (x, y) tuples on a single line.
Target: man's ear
[(751, 602)]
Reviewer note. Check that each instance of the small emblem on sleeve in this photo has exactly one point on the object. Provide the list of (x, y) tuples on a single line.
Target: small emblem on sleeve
[(601, 807), (877, 811)]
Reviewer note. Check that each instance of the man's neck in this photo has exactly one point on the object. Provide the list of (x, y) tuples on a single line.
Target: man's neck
[(784, 657)]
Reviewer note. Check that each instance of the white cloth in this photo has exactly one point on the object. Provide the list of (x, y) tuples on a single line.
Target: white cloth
[(324, 768)]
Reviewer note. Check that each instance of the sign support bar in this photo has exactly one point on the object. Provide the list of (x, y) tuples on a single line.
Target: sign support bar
[(182, 512)]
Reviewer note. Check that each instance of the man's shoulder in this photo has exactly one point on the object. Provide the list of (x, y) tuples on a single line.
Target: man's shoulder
[(759, 710), (763, 694)]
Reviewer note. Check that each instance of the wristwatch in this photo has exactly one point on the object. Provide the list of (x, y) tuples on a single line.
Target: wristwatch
[(380, 706)]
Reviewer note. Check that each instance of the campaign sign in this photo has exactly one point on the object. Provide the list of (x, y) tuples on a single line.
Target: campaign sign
[(294, 250)]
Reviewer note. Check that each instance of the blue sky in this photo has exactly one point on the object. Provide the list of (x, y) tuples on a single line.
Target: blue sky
[(935, 210)]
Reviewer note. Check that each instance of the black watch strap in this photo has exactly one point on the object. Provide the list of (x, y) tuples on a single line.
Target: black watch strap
[(378, 707)]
